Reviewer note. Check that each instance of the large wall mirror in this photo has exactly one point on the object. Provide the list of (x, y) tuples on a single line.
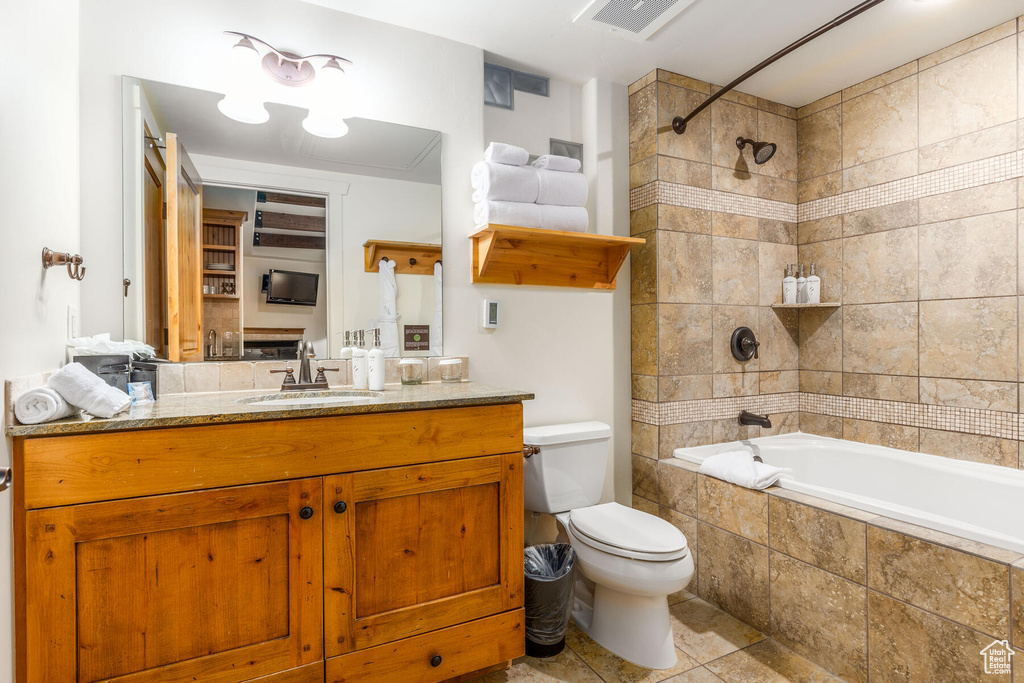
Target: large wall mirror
[(240, 240)]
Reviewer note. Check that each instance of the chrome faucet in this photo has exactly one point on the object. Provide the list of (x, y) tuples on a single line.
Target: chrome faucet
[(211, 349), (747, 418), (305, 353)]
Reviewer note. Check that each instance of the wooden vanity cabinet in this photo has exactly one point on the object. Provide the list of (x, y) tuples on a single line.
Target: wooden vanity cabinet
[(409, 572)]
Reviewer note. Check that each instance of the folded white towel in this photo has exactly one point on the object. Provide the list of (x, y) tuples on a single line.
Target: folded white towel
[(500, 153), (83, 389), (568, 218), (42, 405), (553, 162), (739, 467), (562, 189), (503, 183), (508, 213)]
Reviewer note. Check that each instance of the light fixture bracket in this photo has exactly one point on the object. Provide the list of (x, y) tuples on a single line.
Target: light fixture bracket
[(288, 69)]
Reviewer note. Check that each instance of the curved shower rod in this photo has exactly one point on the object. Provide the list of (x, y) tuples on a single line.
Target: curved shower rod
[(679, 122)]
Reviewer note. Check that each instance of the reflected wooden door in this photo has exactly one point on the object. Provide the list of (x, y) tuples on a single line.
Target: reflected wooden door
[(153, 239), (223, 585), (409, 550), (184, 190)]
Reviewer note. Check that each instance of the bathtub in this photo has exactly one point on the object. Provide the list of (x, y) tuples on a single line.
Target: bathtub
[(980, 502)]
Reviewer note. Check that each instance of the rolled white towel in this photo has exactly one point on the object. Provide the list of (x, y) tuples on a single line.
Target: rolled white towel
[(508, 213), (503, 183), (562, 189), (553, 162), (739, 467), (83, 389), (568, 218), (42, 405), (501, 153)]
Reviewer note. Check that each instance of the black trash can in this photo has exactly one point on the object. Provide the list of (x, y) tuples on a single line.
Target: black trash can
[(550, 578)]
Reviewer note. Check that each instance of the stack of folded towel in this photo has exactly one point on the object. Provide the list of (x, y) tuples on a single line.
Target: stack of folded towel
[(739, 467), (550, 193), (70, 389)]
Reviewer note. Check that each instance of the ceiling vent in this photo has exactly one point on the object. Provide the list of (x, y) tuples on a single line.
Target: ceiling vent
[(635, 20)]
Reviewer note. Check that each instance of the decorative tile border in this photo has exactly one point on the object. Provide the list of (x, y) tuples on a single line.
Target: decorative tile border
[(675, 194), (997, 423), (964, 176), (698, 410)]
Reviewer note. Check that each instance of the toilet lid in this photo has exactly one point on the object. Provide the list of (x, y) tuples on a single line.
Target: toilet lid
[(621, 527)]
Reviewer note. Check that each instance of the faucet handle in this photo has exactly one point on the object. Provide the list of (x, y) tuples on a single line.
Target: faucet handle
[(320, 376), (289, 377)]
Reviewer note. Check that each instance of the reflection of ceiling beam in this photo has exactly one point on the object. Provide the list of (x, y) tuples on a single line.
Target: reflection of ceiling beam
[(294, 199), (290, 221), (276, 239)]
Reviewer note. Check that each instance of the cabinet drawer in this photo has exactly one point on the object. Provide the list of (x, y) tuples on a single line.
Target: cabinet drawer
[(461, 649), (65, 470)]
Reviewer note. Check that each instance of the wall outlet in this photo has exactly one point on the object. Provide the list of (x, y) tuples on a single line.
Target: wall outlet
[(74, 325)]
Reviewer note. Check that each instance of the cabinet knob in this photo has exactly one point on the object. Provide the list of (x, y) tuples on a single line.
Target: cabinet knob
[(306, 512), (340, 506), (435, 660)]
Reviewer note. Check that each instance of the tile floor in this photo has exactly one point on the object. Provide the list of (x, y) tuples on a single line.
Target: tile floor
[(712, 647)]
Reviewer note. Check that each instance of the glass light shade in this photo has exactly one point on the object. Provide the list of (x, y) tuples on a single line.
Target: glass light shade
[(327, 116), (243, 102)]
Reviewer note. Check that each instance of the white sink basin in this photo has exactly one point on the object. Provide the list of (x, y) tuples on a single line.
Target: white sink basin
[(311, 398)]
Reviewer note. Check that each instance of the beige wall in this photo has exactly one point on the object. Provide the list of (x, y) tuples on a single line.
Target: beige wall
[(928, 278), (714, 263)]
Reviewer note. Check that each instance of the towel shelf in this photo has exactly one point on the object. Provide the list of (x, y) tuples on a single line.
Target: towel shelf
[(510, 255), (409, 257)]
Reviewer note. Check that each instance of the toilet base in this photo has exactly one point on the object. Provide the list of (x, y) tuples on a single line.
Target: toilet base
[(636, 628)]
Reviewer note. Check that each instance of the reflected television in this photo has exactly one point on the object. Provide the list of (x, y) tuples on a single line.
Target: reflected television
[(290, 287)]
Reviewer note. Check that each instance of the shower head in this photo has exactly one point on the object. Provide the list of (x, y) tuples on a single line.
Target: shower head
[(763, 151)]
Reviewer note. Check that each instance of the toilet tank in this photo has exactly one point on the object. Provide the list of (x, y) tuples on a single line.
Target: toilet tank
[(568, 473)]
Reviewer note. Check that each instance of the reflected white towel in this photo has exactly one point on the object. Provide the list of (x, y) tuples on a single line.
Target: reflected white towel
[(508, 213), (387, 323), (562, 189), (435, 327), (503, 183), (739, 467), (500, 153), (553, 162), (42, 405), (81, 388), (568, 218)]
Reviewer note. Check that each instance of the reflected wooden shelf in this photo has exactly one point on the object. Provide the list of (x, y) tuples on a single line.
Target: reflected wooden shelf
[(219, 273), (409, 257), (821, 305), (220, 296), (510, 255), (219, 247)]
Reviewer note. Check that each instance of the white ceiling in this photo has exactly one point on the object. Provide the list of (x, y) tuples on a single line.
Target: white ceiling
[(374, 148), (712, 40)]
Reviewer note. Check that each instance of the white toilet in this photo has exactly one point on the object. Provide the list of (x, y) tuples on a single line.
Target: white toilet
[(631, 561)]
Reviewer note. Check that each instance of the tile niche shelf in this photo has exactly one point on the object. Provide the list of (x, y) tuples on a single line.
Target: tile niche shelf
[(821, 305), (510, 255)]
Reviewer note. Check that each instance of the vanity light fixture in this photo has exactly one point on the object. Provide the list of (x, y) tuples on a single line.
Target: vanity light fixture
[(323, 72)]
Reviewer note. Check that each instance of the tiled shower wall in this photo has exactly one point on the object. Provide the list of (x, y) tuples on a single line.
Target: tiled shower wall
[(905, 191)]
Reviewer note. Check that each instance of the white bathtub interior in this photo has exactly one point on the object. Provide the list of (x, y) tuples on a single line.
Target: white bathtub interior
[(977, 501)]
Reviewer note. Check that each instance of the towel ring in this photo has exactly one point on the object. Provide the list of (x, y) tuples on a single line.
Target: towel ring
[(6, 477)]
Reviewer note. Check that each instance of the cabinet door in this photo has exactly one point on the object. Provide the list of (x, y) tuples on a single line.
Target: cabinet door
[(221, 585), (408, 550)]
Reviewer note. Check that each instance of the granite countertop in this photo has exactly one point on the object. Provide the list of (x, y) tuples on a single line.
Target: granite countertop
[(176, 410)]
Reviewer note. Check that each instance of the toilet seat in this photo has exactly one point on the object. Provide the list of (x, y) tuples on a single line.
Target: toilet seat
[(625, 532)]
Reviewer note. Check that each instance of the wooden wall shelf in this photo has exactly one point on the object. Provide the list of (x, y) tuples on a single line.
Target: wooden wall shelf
[(424, 255), (509, 255), (821, 305)]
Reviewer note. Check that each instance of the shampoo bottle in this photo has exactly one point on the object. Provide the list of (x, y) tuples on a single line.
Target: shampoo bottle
[(813, 288), (346, 350), (376, 364), (789, 286), (360, 364), (801, 287)]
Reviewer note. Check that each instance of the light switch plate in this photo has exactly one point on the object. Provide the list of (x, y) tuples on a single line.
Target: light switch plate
[(489, 313), (74, 327)]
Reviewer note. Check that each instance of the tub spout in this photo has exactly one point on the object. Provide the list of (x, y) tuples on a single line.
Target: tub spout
[(747, 418)]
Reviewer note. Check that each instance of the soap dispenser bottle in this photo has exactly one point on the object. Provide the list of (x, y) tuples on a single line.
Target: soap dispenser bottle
[(789, 286), (375, 376), (346, 350), (813, 288), (360, 363), (801, 287)]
